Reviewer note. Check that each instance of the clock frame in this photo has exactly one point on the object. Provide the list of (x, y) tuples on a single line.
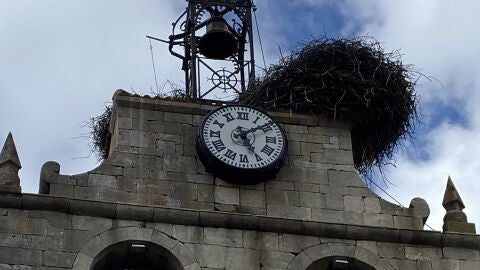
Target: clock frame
[(241, 144)]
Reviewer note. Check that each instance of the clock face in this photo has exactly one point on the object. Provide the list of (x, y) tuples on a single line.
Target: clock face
[(243, 138)]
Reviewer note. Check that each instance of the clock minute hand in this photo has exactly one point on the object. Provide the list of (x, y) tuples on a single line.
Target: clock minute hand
[(256, 128)]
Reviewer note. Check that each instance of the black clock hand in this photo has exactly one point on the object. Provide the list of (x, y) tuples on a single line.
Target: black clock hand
[(244, 133)]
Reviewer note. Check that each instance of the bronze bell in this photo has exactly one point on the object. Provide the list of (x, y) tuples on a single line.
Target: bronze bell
[(218, 43)]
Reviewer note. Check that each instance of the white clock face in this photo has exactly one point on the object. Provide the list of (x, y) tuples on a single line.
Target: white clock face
[(243, 137)]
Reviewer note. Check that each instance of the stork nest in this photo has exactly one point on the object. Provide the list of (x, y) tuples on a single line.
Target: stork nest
[(350, 80)]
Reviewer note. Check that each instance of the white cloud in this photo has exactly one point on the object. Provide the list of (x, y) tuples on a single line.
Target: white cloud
[(441, 38)]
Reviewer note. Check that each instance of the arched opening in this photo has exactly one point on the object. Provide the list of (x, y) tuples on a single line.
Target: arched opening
[(135, 255), (339, 263)]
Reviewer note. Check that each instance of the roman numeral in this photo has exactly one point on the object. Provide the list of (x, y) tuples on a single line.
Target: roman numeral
[(258, 158), (230, 154), (256, 120), (215, 134), (220, 125), (267, 127), (242, 115), (219, 145), (229, 117), (244, 159), (267, 150), (267, 138)]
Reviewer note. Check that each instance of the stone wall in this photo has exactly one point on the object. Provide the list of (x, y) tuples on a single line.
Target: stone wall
[(45, 239), (153, 162)]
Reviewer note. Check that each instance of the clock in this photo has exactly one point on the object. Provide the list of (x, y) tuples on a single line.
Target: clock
[(241, 144)]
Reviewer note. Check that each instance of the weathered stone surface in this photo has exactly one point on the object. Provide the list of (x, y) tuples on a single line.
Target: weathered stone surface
[(391, 250), (253, 198), (20, 256), (297, 243), (260, 240), (226, 195), (210, 256), (223, 237), (240, 259)]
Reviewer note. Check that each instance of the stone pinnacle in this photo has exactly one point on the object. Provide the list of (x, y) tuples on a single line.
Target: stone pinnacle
[(451, 198), (9, 152)]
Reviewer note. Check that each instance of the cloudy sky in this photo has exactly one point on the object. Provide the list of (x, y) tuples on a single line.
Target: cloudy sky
[(61, 61)]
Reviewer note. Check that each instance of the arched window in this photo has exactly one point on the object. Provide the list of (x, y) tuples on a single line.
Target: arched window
[(136, 255), (339, 263)]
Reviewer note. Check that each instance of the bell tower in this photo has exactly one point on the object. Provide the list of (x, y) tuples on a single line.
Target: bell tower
[(214, 39)]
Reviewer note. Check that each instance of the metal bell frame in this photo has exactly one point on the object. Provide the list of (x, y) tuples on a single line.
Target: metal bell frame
[(184, 34)]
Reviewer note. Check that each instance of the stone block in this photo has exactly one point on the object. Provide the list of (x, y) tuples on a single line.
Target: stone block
[(351, 217), (309, 175), (353, 203), (307, 148), (307, 187), (325, 215), (157, 126), (402, 264), (422, 253), (312, 200), (39, 202), (445, 264), (236, 221), (60, 190), (58, 259), (283, 225), (107, 170), (334, 202), (20, 256), (134, 212), (87, 223), (275, 260), (295, 129), (89, 193), (86, 208), (281, 185), (190, 177), (300, 262), (188, 234), (205, 193), (166, 147), (345, 142), (226, 195), (469, 265), (414, 223), (372, 205), (360, 191), (184, 191), (253, 198), (185, 164), (177, 118), (344, 157), (378, 220), (46, 242), (302, 213), (461, 253), (163, 240), (292, 198), (101, 180), (297, 243), (223, 237), (276, 197), (334, 190), (112, 195), (14, 240), (391, 250), (158, 175), (261, 240), (175, 216), (366, 256), (293, 148), (240, 259), (136, 138), (210, 256), (209, 206), (341, 178)]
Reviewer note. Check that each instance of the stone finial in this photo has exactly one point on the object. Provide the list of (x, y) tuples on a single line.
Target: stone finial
[(9, 166), (455, 219), (451, 198)]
